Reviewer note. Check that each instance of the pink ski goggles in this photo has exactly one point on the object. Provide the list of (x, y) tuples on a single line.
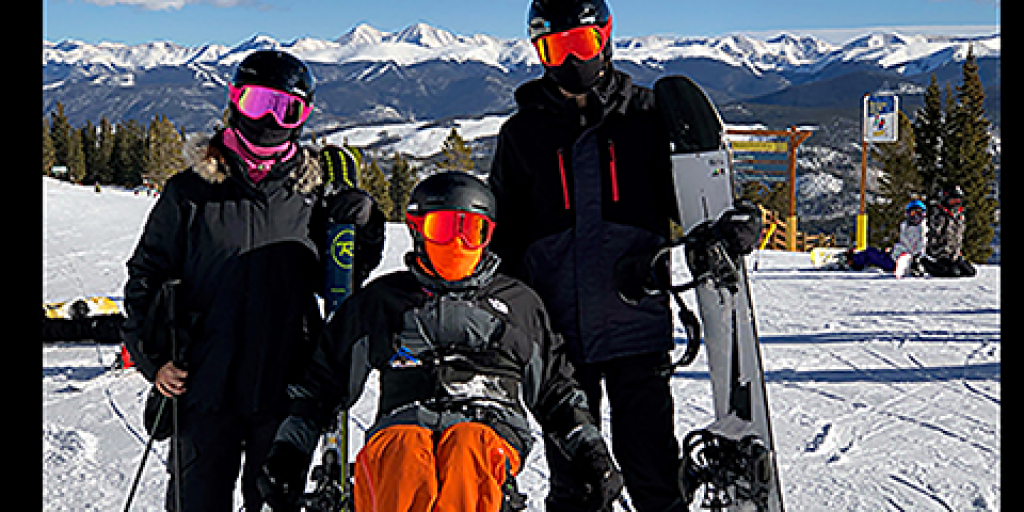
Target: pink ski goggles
[(255, 101)]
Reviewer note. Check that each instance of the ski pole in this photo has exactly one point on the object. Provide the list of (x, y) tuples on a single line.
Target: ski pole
[(176, 439), (145, 455)]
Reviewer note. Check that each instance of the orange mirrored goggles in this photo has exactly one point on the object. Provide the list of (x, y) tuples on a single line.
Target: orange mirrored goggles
[(444, 226), (584, 42)]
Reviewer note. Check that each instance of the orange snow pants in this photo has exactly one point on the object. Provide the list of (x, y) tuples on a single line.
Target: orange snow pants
[(401, 469)]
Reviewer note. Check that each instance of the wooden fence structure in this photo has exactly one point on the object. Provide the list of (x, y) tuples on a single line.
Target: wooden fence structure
[(773, 234)]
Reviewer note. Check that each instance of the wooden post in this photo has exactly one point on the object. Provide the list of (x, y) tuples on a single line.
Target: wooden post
[(795, 139)]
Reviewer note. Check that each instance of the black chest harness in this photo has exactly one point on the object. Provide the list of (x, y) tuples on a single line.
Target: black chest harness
[(452, 352)]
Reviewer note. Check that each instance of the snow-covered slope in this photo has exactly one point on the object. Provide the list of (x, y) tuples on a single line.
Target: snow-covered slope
[(885, 393), (87, 238), (419, 139)]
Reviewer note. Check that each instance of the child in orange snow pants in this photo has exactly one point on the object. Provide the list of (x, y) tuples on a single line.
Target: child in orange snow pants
[(402, 468)]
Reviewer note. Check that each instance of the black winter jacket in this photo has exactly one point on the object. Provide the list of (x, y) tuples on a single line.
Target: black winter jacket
[(577, 190), (475, 350), (249, 259)]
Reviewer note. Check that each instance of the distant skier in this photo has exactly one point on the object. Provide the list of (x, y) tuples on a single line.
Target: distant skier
[(460, 348), (78, 321), (902, 258), (946, 218), (243, 231)]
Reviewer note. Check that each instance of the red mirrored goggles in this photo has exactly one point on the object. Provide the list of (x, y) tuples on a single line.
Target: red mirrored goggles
[(584, 42), (255, 101), (444, 226)]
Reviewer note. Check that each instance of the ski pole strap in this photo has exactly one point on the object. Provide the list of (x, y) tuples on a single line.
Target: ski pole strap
[(693, 333)]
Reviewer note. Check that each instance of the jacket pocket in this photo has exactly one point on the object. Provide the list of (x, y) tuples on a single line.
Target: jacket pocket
[(551, 272)]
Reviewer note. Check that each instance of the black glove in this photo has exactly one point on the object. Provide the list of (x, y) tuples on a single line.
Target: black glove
[(602, 480), (641, 273), (739, 227), (356, 206), (283, 477), (349, 206), (369, 244)]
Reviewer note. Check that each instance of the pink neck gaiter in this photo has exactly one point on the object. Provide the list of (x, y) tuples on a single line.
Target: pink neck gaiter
[(257, 159)]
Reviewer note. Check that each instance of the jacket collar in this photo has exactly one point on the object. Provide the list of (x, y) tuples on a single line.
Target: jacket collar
[(466, 287), (612, 93), (207, 156)]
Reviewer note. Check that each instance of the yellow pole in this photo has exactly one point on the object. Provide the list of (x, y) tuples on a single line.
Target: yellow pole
[(791, 221), (768, 236), (862, 215)]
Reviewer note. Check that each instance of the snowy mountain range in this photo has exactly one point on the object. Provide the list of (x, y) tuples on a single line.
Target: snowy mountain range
[(423, 72)]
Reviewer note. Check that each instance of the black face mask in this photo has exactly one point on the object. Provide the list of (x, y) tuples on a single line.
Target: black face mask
[(263, 131), (578, 76)]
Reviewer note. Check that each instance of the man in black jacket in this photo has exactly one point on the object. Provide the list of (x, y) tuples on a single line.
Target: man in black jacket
[(582, 177), (460, 350), (244, 230)]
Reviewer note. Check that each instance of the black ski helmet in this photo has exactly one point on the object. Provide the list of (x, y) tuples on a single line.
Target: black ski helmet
[(277, 70), (451, 190), (551, 16), (951, 195)]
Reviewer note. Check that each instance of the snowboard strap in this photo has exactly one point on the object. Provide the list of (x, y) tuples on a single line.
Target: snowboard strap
[(692, 328)]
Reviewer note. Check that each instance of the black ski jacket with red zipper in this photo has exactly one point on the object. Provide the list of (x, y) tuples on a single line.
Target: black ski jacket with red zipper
[(577, 189)]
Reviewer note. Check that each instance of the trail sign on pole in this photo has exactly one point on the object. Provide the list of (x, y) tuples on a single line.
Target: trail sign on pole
[(754, 160), (880, 124), (881, 117)]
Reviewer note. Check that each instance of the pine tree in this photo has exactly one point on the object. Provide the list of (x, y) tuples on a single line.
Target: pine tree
[(100, 165), (48, 156), (928, 130), (163, 156), (900, 182), (87, 134), (373, 180), (75, 157), (403, 179), (60, 133), (457, 155), (968, 162), (128, 154), (947, 147), (773, 197)]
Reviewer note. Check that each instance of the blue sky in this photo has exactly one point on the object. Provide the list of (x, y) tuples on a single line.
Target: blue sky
[(196, 22)]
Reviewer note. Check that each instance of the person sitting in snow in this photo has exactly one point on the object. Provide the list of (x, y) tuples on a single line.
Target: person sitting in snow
[(944, 254), (902, 258), (460, 348)]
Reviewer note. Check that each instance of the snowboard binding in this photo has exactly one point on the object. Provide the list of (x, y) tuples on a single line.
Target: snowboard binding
[(729, 471), (711, 260)]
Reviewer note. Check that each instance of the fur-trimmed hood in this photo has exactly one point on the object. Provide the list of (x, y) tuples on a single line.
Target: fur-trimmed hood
[(204, 155)]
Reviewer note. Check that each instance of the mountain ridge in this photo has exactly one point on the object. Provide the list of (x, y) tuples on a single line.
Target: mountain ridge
[(424, 72)]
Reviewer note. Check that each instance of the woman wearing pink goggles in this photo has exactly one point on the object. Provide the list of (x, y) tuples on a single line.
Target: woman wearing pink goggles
[(255, 101)]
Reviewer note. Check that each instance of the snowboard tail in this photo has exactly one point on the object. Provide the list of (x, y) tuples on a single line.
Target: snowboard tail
[(733, 459), (827, 257)]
